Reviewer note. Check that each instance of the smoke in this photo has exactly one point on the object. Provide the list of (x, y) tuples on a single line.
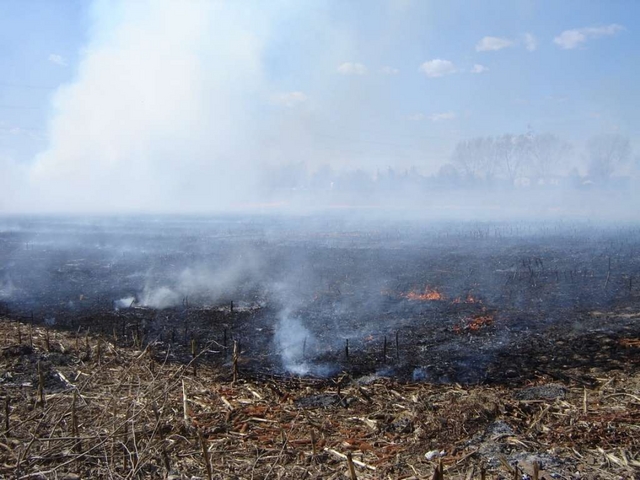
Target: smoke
[(205, 282), (161, 297), (209, 106), (161, 114), (7, 288), (185, 106), (126, 302), (292, 339)]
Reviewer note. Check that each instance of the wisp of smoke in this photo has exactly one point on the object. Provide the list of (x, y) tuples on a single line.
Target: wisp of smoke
[(126, 302), (291, 338), (6, 288), (161, 297)]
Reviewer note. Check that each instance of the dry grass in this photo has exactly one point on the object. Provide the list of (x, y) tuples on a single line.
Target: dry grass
[(84, 408)]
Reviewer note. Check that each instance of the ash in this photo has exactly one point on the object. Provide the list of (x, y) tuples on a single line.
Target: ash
[(467, 302)]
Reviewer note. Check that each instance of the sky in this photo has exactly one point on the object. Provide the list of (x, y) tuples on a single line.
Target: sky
[(149, 104)]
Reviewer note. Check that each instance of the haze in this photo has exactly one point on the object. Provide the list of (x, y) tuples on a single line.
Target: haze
[(471, 109)]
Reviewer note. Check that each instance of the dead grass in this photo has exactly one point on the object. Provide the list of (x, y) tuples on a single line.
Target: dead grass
[(113, 412)]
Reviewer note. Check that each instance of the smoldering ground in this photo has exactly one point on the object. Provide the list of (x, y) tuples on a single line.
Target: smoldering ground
[(305, 287)]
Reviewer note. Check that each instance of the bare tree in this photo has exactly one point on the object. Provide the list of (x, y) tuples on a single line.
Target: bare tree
[(475, 157), (511, 153), (546, 150), (465, 158), (607, 152)]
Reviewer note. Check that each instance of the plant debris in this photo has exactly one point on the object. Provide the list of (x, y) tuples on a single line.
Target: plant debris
[(109, 411)]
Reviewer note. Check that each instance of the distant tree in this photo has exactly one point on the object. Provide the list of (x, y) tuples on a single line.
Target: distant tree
[(466, 157), (356, 180), (512, 153), (475, 158), (545, 151), (285, 176), (606, 153)]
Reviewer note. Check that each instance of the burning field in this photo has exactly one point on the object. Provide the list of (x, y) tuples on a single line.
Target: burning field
[(240, 348)]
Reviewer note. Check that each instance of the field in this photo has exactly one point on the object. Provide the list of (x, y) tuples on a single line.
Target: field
[(276, 347)]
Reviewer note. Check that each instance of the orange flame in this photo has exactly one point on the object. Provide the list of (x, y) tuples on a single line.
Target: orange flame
[(482, 321), (474, 324), (470, 299), (429, 295)]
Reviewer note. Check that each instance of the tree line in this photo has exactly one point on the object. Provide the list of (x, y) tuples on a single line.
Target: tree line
[(536, 156)]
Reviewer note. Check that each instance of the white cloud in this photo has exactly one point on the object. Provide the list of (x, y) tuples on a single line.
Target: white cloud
[(488, 44), (389, 70), (57, 59), (555, 99), (417, 117), (350, 68), (438, 117), (596, 32), (530, 42), (570, 39), (288, 99), (437, 68), (477, 68)]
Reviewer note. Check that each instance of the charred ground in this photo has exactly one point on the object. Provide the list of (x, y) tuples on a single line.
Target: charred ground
[(315, 296)]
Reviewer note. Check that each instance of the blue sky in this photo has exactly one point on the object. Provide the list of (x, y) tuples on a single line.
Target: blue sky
[(350, 83)]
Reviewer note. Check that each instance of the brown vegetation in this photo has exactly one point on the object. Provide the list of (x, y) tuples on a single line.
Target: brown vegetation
[(86, 408)]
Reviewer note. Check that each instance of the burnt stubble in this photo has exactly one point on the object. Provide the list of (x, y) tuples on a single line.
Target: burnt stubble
[(442, 302)]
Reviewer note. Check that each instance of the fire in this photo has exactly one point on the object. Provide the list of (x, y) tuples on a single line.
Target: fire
[(474, 324), (469, 299), (630, 342), (429, 295), (481, 321)]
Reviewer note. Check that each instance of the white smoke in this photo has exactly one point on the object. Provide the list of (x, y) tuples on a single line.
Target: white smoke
[(214, 283), (211, 284), (161, 297), (159, 115), (291, 339), (126, 302), (172, 108), (7, 287)]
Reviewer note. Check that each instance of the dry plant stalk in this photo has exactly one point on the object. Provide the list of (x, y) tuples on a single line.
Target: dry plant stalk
[(140, 425), (74, 423), (7, 413), (352, 469), (235, 361), (314, 449), (41, 397), (536, 470), (185, 407), (205, 455)]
